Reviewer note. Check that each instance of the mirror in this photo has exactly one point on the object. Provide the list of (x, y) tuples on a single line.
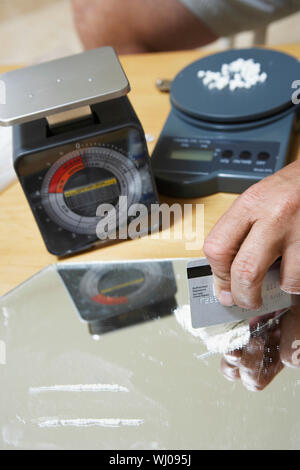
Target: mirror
[(103, 356)]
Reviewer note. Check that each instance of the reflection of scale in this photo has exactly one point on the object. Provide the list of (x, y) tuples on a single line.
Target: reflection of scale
[(117, 295), (77, 144), (222, 140)]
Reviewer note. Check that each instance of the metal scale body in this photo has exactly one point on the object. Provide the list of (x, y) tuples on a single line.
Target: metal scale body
[(223, 140), (77, 144)]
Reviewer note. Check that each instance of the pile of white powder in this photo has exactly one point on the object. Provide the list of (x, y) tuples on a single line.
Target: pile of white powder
[(240, 73), (218, 339)]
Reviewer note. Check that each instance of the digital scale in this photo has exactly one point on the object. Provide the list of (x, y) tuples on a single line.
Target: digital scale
[(109, 296), (223, 140), (77, 143)]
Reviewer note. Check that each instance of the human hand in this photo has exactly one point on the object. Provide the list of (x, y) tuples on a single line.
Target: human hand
[(262, 225), (267, 353)]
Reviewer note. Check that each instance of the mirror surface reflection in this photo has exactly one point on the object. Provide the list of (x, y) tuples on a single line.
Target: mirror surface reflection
[(103, 356)]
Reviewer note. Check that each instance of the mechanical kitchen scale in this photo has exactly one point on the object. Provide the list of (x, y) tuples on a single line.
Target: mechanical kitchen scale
[(77, 143), (109, 296), (223, 140)]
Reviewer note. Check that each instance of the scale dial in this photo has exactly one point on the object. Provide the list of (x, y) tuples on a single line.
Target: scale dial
[(69, 172), (121, 288), (110, 296), (81, 180)]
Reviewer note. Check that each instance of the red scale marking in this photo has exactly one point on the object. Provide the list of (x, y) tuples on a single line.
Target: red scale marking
[(102, 299), (62, 175)]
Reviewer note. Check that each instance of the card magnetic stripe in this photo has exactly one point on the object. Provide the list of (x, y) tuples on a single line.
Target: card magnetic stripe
[(199, 271)]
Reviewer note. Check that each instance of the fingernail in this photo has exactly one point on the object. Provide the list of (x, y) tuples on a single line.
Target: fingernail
[(225, 297)]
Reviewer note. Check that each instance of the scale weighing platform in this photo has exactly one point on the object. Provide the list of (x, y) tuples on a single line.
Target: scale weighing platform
[(223, 140)]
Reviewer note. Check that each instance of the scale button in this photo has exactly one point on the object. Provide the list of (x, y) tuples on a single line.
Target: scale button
[(245, 155), (263, 156), (227, 153)]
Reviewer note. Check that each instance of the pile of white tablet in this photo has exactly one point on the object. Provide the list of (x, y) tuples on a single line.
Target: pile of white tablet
[(240, 73)]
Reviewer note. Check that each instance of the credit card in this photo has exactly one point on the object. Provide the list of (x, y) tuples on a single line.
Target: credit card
[(206, 310)]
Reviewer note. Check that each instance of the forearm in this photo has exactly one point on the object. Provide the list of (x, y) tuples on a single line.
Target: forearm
[(139, 26)]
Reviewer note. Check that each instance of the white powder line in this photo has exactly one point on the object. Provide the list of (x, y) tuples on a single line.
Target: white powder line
[(205, 355), (21, 420), (79, 388), (79, 423)]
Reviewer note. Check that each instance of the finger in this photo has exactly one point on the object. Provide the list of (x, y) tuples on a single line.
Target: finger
[(234, 357), (258, 252), (259, 321), (290, 338), (222, 244), (290, 269), (230, 372), (260, 362)]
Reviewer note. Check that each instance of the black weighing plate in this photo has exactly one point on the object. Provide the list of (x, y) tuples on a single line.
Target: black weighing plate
[(189, 95)]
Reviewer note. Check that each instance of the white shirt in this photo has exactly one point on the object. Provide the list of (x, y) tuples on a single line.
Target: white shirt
[(227, 17)]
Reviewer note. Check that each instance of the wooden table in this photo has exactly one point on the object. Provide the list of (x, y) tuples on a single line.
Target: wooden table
[(22, 251)]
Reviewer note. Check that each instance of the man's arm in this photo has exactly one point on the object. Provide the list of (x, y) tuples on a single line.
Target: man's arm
[(134, 26), (165, 25)]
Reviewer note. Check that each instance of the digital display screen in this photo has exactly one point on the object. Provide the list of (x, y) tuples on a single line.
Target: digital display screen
[(193, 155)]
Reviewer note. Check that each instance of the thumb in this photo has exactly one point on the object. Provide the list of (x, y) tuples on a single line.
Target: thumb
[(222, 288)]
